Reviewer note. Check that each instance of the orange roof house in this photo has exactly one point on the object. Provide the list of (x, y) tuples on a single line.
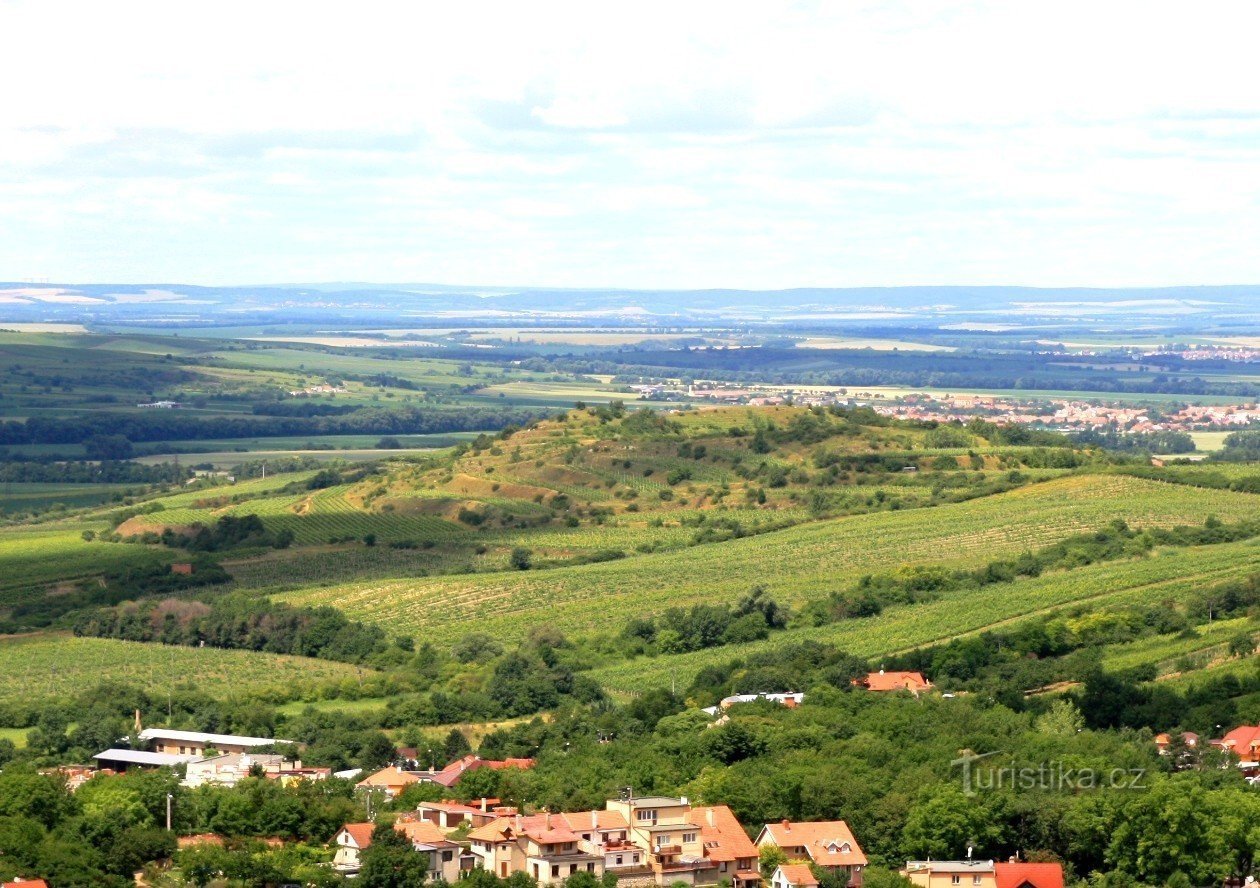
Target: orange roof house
[(450, 775), (1028, 875), (26, 883), (391, 780), (828, 844), (1243, 742), (894, 681), (793, 875)]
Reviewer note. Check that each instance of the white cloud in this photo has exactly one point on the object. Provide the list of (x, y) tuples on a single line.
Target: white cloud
[(650, 144)]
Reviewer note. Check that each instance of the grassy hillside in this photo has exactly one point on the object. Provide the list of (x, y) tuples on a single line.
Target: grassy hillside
[(54, 666), (795, 564)]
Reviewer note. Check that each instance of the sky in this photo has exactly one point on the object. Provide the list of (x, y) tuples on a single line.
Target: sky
[(640, 145)]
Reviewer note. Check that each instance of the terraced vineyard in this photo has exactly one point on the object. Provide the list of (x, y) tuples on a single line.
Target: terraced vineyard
[(50, 666), (795, 564), (1165, 651), (1171, 575)]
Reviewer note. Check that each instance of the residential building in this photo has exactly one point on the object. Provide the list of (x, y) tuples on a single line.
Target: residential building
[(355, 838), (26, 883), (696, 846), (894, 681), (828, 844), (793, 875), (541, 845), (1243, 742), (391, 781), (951, 873), (983, 874), (453, 815), (450, 775), (131, 759), (351, 841)]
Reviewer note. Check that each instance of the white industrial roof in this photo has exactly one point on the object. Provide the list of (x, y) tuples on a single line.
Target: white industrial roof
[(140, 757), (208, 739)]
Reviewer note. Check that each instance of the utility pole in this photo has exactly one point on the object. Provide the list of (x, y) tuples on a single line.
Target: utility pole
[(169, 799)]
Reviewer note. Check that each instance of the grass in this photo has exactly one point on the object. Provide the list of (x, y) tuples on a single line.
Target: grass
[(61, 667), (795, 564)]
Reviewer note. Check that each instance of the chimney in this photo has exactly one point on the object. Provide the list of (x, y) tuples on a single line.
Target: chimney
[(483, 804), (708, 814), (594, 819), (547, 818), (518, 822), (786, 824)]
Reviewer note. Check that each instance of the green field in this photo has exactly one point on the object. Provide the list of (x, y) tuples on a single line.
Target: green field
[(795, 564), (52, 667), (1171, 575)]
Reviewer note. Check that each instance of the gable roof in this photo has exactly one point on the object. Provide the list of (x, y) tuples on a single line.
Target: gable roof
[(895, 681), (724, 839), (1243, 742), (824, 841), (604, 820), (422, 832), (505, 829), (798, 874), (361, 833), (1029, 875), (388, 777)]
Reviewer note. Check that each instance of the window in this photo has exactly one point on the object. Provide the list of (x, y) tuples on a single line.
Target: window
[(975, 880), (618, 860), (955, 880), (590, 867), (645, 814), (555, 871), (689, 837), (634, 859), (572, 868)]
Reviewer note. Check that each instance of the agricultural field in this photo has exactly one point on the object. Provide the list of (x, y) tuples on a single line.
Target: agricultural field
[(1164, 576), (794, 564), (59, 667), (1166, 652)]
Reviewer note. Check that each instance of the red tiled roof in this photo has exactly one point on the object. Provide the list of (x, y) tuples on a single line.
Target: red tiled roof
[(823, 841), (728, 838), (26, 883), (503, 829), (450, 775), (798, 874), (360, 832), (1243, 742), (422, 832), (1036, 875), (389, 778), (896, 681)]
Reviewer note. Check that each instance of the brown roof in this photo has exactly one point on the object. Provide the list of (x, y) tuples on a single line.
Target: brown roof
[(506, 828), (725, 840), (360, 832), (824, 841), (581, 820), (798, 874)]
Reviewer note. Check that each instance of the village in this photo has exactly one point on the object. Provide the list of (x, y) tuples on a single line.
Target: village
[(1059, 414), (634, 841)]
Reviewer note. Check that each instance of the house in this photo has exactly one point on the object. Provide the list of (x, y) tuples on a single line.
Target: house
[(445, 856), (1243, 742), (26, 883), (351, 840), (391, 781), (793, 875), (607, 833), (1164, 741), (453, 815), (541, 845), (951, 873), (228, 770), (791, 700), (894, 681), (828, 844), (983, 874), (695, 846), (451, 774), (198, 743)]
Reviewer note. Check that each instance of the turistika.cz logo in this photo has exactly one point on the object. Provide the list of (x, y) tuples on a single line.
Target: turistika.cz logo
[(981, 775)]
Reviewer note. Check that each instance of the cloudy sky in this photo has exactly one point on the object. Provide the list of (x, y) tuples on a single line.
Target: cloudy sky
[(679, 144)]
